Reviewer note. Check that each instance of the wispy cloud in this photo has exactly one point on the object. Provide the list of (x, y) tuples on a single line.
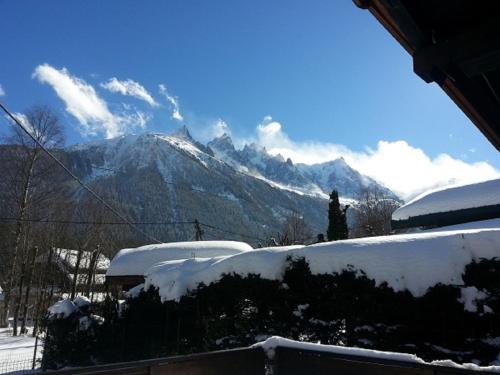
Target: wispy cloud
[(130, 88), (219, 128), (23, 119), (83, 102), (405, 169), (173, 101), (2, 91)]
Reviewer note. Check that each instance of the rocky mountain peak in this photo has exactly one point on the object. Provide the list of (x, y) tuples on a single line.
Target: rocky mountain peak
[(182, 132), (222, 143)]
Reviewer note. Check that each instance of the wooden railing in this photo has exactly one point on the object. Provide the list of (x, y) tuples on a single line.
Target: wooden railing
[(285, 361), (227, 362), (291, 361)]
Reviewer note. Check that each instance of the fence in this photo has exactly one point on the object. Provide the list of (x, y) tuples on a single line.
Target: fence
[(253, 361), (226, 362), (295, 361), (17, 364)]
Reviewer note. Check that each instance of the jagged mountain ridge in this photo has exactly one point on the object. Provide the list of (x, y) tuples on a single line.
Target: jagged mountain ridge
[(316, 179)]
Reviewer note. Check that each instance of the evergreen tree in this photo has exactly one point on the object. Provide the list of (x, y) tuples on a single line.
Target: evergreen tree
[(337, 223)]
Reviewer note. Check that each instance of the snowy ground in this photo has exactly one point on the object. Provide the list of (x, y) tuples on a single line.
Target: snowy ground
[(16, 353)]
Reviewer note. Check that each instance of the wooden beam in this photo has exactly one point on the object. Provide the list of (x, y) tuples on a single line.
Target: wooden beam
[(474, 52)]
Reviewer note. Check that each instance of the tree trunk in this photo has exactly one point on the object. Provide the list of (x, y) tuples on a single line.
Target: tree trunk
[(28, 289), (91, 271), (75, 273), (17, 239), (44, 291), (19, 297)]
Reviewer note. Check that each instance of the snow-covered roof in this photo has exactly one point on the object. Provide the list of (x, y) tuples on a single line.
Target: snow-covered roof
[(412, 262), (62, 308), (82, 278), (136, 261), (453, 198), (68, 258), (271, 344)]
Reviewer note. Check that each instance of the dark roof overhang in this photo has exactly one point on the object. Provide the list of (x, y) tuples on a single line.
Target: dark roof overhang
[(455, 43)]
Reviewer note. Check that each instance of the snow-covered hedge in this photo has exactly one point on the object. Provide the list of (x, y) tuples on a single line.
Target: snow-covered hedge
[(347, 307), (71, 329), (407, 262)]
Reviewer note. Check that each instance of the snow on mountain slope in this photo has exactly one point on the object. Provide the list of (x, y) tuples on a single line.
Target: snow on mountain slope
[(171, 177), (348, 182), (317, 179)]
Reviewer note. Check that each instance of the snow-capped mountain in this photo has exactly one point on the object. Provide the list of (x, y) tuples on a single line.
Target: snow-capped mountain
[(174, 178), (171, 177), (316, 179), (339, 175), (256, 161)]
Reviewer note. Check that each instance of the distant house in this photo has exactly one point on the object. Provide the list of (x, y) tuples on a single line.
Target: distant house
[(128, 267), (61, 266), (450, 206)]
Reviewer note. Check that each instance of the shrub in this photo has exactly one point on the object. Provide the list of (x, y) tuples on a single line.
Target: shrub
[(344, 308)]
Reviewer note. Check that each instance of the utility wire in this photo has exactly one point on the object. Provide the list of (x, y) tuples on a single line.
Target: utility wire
[(80, 182), (107, 205), (7, 219), (230, 232), (49, 221)]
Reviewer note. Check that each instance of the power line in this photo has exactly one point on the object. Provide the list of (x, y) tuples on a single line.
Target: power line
[(230, 232), (80, 182), (55, 221)]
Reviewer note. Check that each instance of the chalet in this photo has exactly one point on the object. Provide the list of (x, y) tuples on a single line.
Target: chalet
[(62, 265), (450, 206), (128, 267)]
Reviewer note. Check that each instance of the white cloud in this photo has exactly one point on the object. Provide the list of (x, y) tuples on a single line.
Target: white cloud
[(83, 102), (23, 119), (2, 91), (409, 171), (173, 101), (405, 169), (219, 128), (131, 88)]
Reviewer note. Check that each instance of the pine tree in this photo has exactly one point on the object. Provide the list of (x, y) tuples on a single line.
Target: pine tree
[(337, 223)]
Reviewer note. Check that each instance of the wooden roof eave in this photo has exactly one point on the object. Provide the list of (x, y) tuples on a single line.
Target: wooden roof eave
[(432, 62)]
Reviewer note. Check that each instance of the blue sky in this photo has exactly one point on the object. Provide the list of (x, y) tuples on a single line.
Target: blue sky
[(326, 72)]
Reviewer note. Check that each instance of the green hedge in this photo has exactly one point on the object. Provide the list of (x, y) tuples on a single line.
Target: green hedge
[(340, 308)]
